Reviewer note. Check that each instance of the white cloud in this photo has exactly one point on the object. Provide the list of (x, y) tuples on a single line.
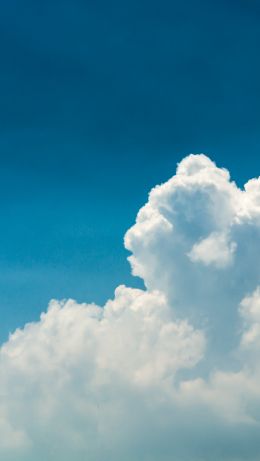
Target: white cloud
[(214, 249), (168, 373), (77, 370), (203, 257), (250, 312)]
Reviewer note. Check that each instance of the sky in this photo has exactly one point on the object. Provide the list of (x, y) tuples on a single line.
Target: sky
[(100, 101), (151, 368)]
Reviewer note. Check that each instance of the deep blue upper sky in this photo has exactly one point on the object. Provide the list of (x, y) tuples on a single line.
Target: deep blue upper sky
[(99, 100)]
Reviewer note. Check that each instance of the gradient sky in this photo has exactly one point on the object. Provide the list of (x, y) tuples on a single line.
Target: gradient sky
[(99, 100)]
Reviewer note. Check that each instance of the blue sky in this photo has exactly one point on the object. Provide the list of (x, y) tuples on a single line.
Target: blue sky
[(99, 100)]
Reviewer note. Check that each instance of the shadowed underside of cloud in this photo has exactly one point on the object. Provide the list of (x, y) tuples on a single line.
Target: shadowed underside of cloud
[(169, 373)]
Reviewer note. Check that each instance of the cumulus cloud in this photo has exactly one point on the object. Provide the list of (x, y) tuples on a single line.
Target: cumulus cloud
[(196, 241), (167, 373), (214, 249)]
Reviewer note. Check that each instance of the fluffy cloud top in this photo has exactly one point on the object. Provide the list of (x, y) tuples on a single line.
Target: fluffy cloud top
[(168, 373)]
